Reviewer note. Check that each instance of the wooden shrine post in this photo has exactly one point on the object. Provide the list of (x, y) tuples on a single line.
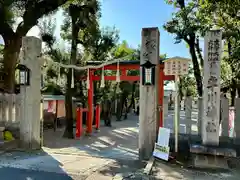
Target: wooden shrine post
[(148, 93)]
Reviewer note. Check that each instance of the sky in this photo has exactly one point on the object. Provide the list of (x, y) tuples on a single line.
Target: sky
[(129, 17)]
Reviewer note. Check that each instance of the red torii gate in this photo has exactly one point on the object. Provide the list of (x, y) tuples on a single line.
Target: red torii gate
[(124, 66)]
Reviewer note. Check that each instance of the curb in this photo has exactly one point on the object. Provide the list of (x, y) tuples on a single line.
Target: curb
[(149, 166)]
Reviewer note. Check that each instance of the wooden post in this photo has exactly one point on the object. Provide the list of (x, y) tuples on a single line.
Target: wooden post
[(90, 102), (188, 115), (98, 114), (176, 113), (148, 94)]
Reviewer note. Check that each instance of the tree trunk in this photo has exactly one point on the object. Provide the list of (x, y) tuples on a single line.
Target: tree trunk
[(11, 54), (119, 110), (81, 94), (132, 104), (68, 108), (197, 72), (233, 95), (68, 96), (199, 52), (126, 108)]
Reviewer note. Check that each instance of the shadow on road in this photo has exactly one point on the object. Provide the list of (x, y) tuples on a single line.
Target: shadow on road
[(111, 142), (31, 166)]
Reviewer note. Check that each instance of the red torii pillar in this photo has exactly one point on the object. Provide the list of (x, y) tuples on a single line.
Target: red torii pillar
[(161, 93), (125, 77)]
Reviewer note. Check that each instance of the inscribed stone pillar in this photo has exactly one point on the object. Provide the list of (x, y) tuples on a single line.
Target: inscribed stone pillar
[(224, 116), (237, 117), (31, 95), (211, 87), (188, 114), (148, 95)]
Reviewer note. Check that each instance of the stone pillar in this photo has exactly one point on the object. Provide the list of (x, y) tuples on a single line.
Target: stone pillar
[(165, 105), (188, 115), (31, 95), (148, 95), (211, 87), (18, 109), (200, 115), (224, 116), (5, 109), (237, 117)]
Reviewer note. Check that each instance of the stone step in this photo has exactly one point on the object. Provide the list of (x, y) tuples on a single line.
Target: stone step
[(209, 162)]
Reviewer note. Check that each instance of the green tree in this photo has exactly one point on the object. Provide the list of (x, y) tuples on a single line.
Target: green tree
[(188, 26), (81, 15), (30, 12), (226, 15)]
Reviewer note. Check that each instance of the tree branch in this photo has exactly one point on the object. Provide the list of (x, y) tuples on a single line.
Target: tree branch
[(197, 46), (5, 29), (31, 15)]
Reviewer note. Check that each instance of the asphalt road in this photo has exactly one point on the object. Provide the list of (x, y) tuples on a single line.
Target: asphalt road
[(8, 173)]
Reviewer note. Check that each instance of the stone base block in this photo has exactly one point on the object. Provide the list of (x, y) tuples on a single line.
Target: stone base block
[(212, 150), (209, 162)]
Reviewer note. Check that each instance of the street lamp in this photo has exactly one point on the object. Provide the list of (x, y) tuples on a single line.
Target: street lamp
[(148, 73), (22, 74)]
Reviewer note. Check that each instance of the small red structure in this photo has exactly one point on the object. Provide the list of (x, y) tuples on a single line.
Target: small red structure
[(79, 128), (124, 66), (79, 119)]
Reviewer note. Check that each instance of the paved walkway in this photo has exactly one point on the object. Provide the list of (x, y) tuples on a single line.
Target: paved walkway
[(119, 141), (106, 153), (164, 171)]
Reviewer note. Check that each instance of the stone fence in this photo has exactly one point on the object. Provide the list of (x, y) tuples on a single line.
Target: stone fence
[(229, 116)]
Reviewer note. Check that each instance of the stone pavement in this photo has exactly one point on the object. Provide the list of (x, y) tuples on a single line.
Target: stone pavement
[(164, 171), (100, 156), (119, 141), (105, 154)]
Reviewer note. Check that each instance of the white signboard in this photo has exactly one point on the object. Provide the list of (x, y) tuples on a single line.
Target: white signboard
[(176, 67), (161, 149), (211, 84)]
